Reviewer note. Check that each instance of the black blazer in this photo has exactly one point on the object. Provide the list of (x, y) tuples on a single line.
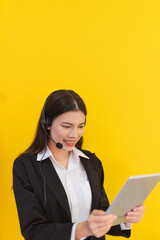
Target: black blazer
[(50, 219)]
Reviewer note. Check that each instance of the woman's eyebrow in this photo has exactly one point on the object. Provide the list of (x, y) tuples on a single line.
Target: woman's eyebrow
[(71, 123), (67, 123), (82, 123)]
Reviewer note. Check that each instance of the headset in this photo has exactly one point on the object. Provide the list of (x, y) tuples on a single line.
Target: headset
[(47, 122)]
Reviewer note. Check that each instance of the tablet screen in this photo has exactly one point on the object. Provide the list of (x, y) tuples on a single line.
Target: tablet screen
[(132, 194)]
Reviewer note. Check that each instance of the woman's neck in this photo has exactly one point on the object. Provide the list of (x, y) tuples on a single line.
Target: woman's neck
[(60, 155)]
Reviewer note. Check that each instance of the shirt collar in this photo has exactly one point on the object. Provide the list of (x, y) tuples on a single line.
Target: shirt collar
[(46, 153)]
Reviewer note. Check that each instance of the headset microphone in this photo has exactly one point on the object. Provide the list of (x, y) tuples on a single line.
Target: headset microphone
[(58, 144)]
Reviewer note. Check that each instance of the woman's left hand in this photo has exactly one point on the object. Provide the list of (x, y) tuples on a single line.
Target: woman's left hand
[(136, 214)]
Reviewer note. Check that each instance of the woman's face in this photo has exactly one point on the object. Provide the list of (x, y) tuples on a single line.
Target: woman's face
[(67, 129)]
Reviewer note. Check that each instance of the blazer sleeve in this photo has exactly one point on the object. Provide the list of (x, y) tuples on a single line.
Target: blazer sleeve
[(33, 221), (115, 230)]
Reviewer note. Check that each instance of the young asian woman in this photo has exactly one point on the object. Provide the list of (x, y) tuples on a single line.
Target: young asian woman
[(58, 186)]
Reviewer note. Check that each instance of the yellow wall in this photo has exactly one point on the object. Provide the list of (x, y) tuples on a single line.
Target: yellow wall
[(107, 51)]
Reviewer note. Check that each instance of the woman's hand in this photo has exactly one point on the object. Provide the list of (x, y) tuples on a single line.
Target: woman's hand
[(136, 214), (98, 224)]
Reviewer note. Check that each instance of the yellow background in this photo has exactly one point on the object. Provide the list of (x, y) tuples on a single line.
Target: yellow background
[(109, 53)]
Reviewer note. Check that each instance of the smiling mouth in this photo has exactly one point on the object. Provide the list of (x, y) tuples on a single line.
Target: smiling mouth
[(69, 142)]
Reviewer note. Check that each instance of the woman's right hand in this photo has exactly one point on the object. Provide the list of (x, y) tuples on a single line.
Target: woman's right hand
[(98, 224)]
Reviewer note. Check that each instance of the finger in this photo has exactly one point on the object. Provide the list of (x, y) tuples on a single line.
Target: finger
[(100, 231), (107, 221), (140, 208), (96, 212), (104, 229), (111, 218), (133, 214), (103, 220), (134, 218)]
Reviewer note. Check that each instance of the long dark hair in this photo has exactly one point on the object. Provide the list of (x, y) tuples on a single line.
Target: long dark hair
[(58, 102)]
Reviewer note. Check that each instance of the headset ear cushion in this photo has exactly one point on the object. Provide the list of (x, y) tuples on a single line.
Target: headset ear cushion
[(48, 122), (43, 122)]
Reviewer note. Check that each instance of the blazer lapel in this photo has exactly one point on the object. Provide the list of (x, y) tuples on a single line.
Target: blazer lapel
[(54, 184), (93, 180)]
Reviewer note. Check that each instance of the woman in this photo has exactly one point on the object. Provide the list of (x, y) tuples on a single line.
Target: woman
[(58, 186)]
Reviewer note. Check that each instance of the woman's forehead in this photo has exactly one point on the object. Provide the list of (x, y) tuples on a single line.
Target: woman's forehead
[(72, 116)]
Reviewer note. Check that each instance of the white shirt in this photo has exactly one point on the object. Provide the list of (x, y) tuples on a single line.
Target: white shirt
[(75, 182)]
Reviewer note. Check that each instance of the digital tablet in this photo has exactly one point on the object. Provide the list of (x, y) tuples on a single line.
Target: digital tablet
[(132, 194)]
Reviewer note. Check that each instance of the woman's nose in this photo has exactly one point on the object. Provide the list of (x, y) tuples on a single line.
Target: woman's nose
[(73, 133)]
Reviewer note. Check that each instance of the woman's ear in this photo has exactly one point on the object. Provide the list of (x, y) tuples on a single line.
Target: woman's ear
[(48, 122)]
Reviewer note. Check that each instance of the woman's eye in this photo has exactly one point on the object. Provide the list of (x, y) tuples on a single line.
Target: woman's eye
[(70, 126), (81, 126)]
